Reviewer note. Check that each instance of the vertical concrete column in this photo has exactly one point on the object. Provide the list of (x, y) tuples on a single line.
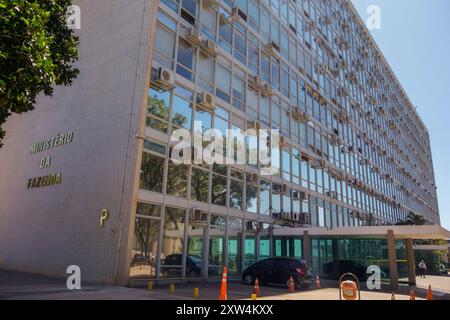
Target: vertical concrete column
[(392, 256), (410, 262), (307, 248), (257, 245), (242, 244), (206, 248)]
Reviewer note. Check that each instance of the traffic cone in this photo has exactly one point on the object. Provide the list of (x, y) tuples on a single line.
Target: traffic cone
[(429, 293), (317, 282), (223, 287), (291, 284), (393, 296), (256, 289), (412, 294)]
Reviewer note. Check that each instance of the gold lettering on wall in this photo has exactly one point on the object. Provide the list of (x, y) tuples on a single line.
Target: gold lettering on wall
[(45, 181), (54, 142)]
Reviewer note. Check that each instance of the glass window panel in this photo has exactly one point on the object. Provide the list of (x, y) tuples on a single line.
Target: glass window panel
[(145, 247), (172, 245)]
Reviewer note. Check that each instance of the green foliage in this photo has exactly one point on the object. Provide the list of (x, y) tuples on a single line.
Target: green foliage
[(413, 220), (37, 50)]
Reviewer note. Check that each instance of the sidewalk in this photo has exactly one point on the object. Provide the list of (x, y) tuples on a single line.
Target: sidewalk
[(21, 286)]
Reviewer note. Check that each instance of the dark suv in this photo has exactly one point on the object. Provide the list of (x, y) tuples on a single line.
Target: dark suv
[(278, 271)]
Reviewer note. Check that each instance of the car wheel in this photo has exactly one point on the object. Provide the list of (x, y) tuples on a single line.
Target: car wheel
[(305, 284), (248, 279)]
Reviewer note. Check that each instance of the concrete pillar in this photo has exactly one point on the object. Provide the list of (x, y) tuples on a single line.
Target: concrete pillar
[(307, 248), (410, 262), (257, 246), (205, 263), (392, 256)]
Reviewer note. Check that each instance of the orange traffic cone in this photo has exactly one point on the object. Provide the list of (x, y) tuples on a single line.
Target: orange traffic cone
[(291, 284), (412, 294), (393, 296), (223, 287), (256, 289), (429, 293), (317, 282)]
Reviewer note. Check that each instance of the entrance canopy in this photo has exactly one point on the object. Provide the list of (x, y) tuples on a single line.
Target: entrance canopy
[(433, 232)]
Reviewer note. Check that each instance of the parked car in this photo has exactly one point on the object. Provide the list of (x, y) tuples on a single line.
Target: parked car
[(172, 266), (334, 269), (279, 271)]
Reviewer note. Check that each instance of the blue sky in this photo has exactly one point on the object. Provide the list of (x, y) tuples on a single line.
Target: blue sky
[(415, 39)]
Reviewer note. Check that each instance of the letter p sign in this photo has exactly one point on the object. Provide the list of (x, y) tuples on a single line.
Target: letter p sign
[(103, 217)]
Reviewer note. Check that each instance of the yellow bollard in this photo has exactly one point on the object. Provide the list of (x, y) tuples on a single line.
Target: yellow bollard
[(196, 293), (150, 286), (254, 296), (172, 289)]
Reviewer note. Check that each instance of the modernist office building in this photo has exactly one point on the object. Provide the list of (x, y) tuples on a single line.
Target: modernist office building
[(355, 153)]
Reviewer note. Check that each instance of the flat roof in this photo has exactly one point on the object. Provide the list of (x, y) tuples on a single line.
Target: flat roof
[(400, 232)]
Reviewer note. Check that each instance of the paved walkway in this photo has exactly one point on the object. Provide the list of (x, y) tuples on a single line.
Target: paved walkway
[(440, 283), (17, 286)]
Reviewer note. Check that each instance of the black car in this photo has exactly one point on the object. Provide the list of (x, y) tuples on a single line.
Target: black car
[(278, 271), (172, 266)]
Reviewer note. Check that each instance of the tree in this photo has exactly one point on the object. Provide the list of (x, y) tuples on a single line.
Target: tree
[(37, 51), (412, 220)]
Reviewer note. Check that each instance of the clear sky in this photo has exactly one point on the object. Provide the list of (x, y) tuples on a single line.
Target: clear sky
[(415, 39)]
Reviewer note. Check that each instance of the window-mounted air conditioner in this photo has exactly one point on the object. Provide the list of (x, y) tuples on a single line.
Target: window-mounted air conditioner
[(162, 79)]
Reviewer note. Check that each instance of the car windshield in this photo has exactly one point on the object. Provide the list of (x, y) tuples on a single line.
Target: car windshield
[(195, 259)]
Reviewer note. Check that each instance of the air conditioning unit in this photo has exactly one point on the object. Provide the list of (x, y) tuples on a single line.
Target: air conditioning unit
[(345, 25), (282, 142), (213, 4), (272, 48), (255, 81), (327, 20), (266, 90), (236, 14), (253, 178), (284, 189), (206, 101), (324, 68), (286, 216), (323, 163), (298, 195), (335, 139), (297, 113), (162, 79), (193, 36), (197, 216), (344, 114), (304, 117), (208, 47), (256, 125), (310, 26), (251, 226), (332, 194), (276, 188)]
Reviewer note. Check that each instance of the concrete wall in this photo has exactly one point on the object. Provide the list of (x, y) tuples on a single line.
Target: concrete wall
[(44, 230)]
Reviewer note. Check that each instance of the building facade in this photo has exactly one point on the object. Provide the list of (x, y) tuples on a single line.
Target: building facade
[(355, 152)]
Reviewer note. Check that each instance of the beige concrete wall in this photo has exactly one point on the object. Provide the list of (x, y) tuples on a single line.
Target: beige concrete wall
[(44, 230)]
